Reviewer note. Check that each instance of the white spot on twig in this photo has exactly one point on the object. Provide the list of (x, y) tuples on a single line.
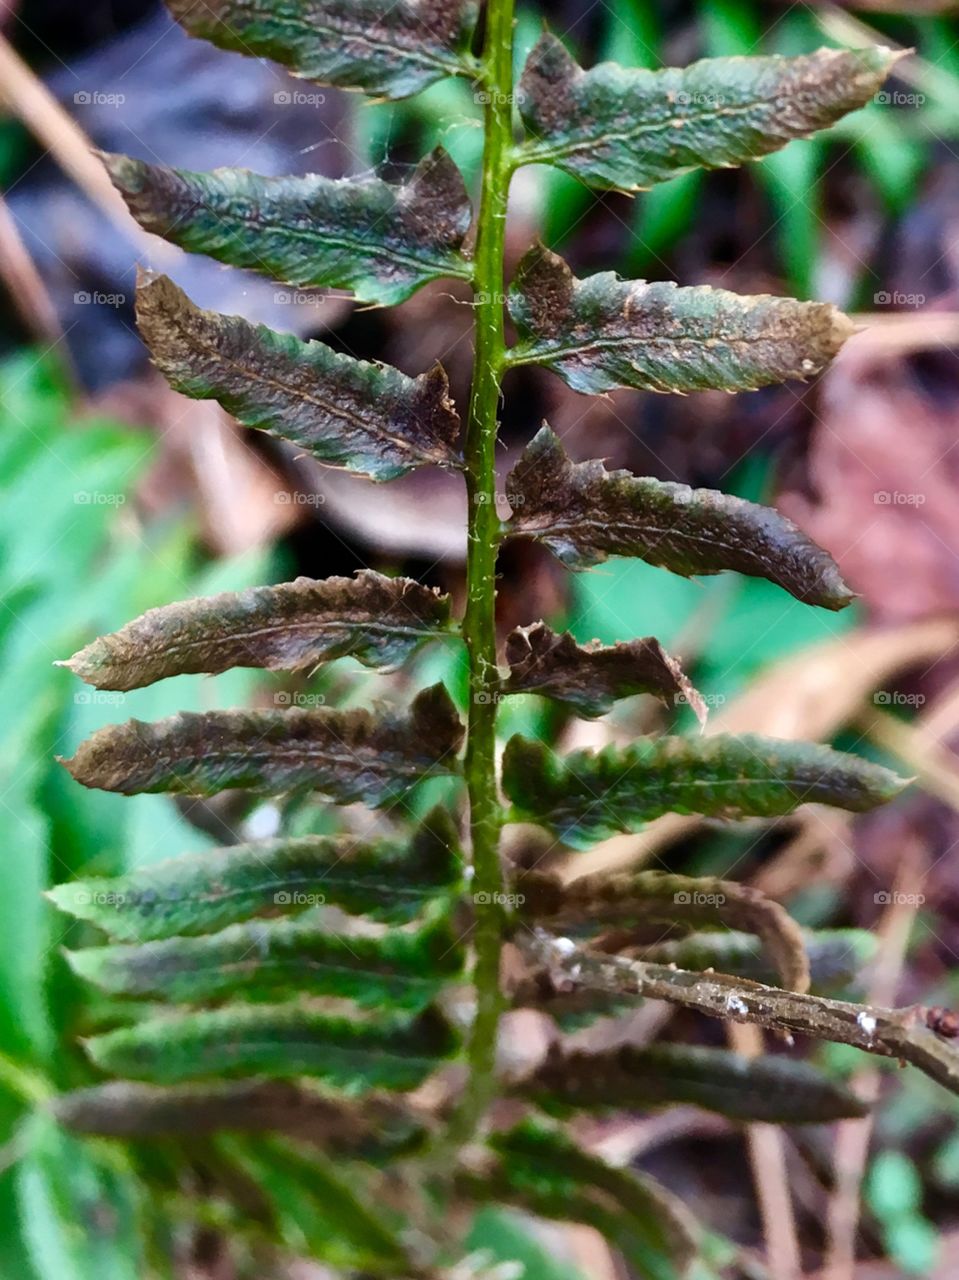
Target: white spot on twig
[(867, 1023), (737, 1007)]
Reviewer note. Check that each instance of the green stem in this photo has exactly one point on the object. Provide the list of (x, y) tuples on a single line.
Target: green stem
[(28, 1085), (479, 625)]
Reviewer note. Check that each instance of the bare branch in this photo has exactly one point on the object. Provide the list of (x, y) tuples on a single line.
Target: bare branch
[(891, 1033)]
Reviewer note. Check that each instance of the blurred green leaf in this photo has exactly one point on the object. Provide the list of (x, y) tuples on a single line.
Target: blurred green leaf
[(731, 27), (894, 1192), (505, 1237), (316, 1209), (280, 1041), (663, 214), (894, 161), (263, 960), (893, 1185), (914, 1244), (80, 1216), (24, 936)]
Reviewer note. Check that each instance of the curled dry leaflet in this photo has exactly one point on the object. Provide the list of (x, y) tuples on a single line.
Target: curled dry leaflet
[(267, 1014)]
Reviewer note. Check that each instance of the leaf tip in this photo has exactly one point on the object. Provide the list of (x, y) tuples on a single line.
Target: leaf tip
[(126, 173), (81, 664), (153, 290), (887, 57), (57, 898), (843, 326), (78, 961)]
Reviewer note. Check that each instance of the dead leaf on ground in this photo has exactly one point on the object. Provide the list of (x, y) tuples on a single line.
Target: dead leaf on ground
[(884, 469)]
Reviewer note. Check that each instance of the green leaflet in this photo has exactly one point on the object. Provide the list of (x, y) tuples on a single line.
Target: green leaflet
[(392, 48), (390, 880), (628, 128), (82, 1215), (368, 418), (836, 956), (323, 1209), (373, 1129), (264, 960), (344, 755), (657, 898), (542, 1171), (770, 1089), (587, 796), (502, 1236), (585, 513), (296, 625), (590, 678), (282, 1041), (381, 240), (603, 332)]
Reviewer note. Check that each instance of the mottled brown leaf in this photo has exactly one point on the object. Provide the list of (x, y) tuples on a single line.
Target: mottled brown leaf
[(603, 332), (393, 880), (379, 239), (346, 756), (629, 128), (585, 513), (587, 795), (369, 1129), (392, 48), (591, 678), (347, 413), (290, 627), (770, 1090)]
